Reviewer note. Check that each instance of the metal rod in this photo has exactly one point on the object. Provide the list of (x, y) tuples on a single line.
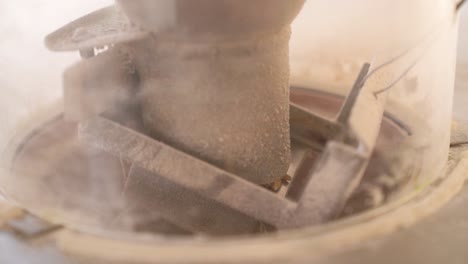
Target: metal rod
[(350, 101), (460, 4)]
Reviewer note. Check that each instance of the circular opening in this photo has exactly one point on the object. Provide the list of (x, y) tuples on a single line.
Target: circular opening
[(87, 189)]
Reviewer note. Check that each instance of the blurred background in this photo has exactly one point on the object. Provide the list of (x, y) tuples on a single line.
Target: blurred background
[(28, 71), (463, 43)]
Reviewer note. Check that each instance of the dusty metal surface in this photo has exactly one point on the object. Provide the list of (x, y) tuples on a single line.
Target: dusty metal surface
[(439, 238), (233, 131), (101, 28), (237, 80), (436, 239), (327, 187), (116, 208)]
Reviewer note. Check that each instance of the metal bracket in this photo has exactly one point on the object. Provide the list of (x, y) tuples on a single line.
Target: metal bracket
[(318, 191), (101, 28)]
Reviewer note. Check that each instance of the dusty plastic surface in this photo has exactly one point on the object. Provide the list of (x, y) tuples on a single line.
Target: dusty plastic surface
[(326, 53), (418, 40), (419, 244)]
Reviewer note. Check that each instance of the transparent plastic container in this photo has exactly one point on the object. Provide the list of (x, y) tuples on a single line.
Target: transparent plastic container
[(418, 41), (411, 48)]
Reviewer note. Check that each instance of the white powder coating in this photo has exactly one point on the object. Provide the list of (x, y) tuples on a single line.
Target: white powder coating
[(216, 84), (226, 103)]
